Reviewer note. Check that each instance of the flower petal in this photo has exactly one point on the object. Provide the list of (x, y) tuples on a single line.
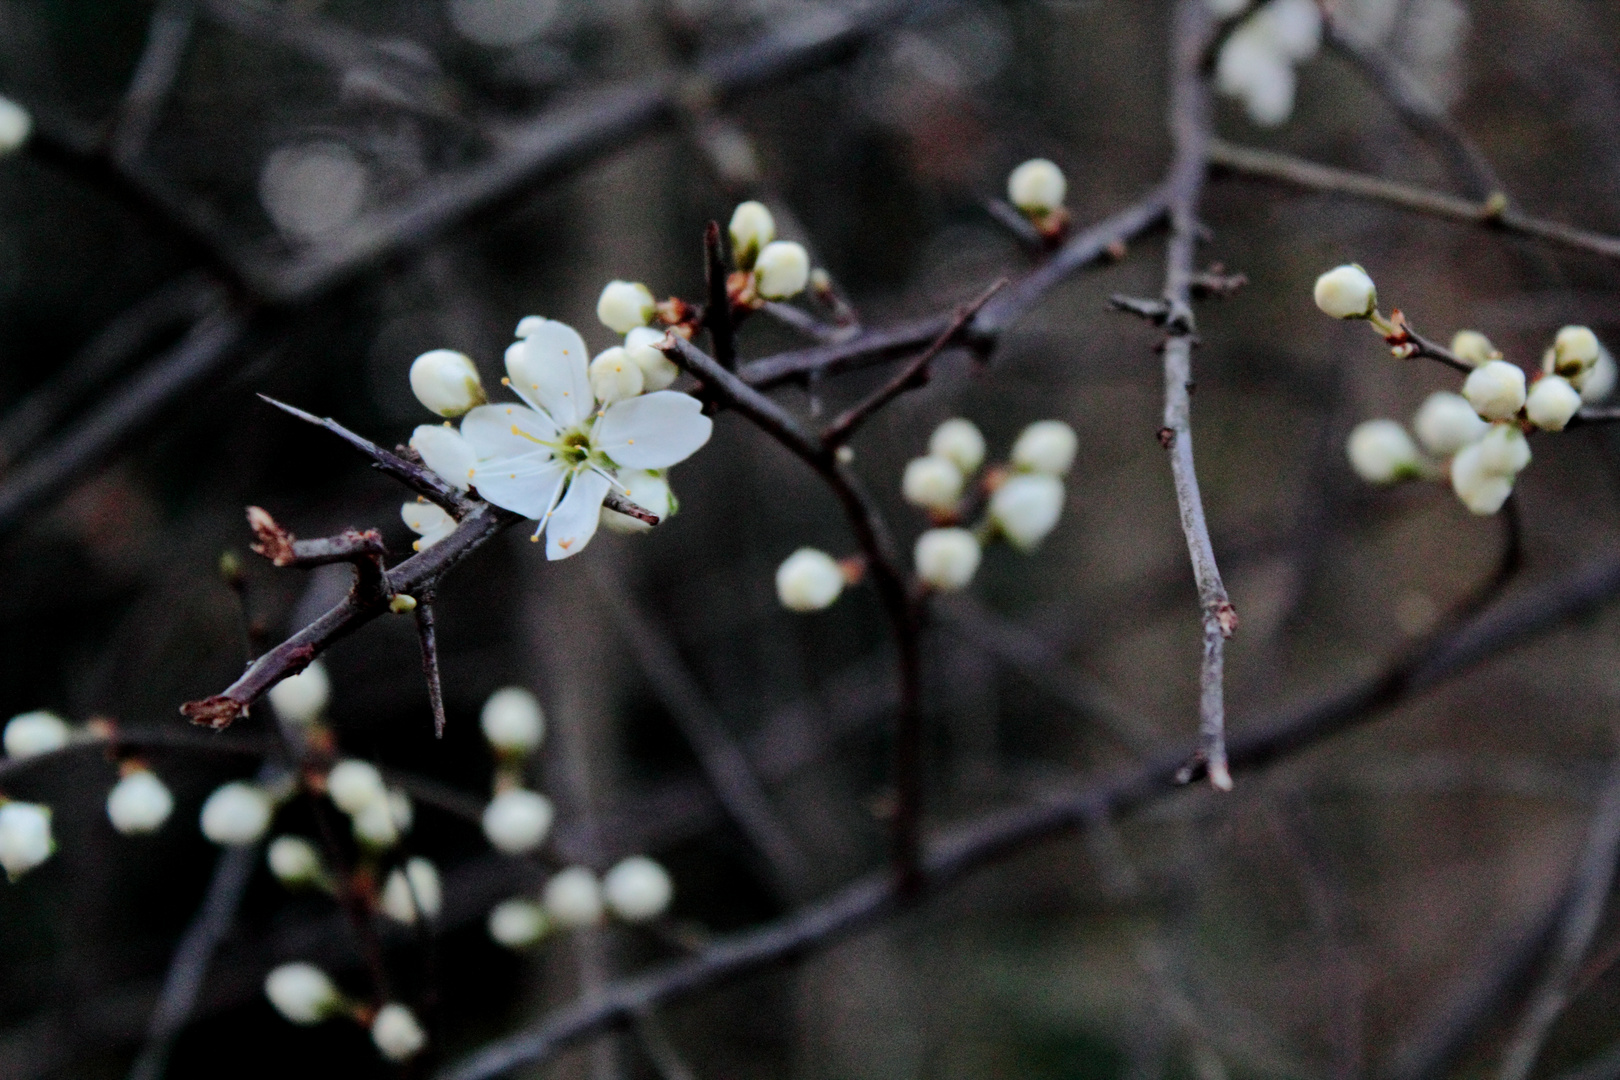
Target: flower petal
[(522, 485), (424, 517), (653, 431), (574, 521), (445, 452), (549, 369), (488, 429)]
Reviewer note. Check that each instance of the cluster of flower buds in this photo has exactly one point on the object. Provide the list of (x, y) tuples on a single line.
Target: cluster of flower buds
[(636, 890), (1256, 61), (767, 268), (1021, 503), (585, 427), (305, 995), (1037, 188), (1475, 438), (516, 820)]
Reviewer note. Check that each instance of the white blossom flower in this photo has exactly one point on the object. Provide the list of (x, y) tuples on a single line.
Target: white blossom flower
[(301, 698), (302, 993), (1046, 446), (293, 860), (623, 306), (808, 580), (1037, 186), (637, 889), (412, 890), (1252, 69), (1504, 450), (517, 820), (25, 837), (16, 124), (1574, 350), (446, 382), (1027, 507), (1446, 423), (381, 823), (1551, 402), (1473, 347), (573, 898), (614, 376), (1597, 383), (554, 458), (752, 227), (959, 442), (1495, 389), (397, 1033), (354, 785), (236, 814), (782, 270), (658, 372), (648, 490), (442, 449), (513, 721), (1292, 27), (933, 483), (37, 732), (517, 924), (1382, 452), (139, 803), (1346, 292), (428, 521), (1480, 489), (947, 559)]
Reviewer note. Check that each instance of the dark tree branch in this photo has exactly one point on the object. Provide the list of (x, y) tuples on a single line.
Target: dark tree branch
[(717, 307), (168, 32), (427, 632)]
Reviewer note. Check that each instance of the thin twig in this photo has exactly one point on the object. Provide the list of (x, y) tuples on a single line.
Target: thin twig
[(168, 32), (717, 307), (427, 632)]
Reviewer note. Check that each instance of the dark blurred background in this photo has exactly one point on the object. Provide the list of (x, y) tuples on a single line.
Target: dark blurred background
[(1326, 919)]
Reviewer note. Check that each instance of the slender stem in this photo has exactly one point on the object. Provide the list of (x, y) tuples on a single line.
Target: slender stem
[(717, 309), (427, 632)]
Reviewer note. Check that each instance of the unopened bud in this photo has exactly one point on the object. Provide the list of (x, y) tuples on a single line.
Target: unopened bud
[(412, 892), (139, 803), (1346, 292), (658, 372), (947, 559), (1382, 452), (517, 924), (1027, 507), (782, 270), (1574, 351), (293, 860), (1473, 347), (1552, 402), (1446, 423), (752, 227), (637, 889), (512, 721), (625, 305), (446, 382), (1495, 389), (301, 992), (1480, 489), (959, 442), (353, 785), (1046, 446), (37, 732), (16, 124), (396, 1032), (517, 820), (573, 898), (933, 483), (1037, 187), (25, 837), (236, 814), (808, 580)]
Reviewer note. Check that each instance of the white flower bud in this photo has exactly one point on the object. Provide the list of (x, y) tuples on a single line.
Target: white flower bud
[(1346, 292), (429, 522), (25, 837), (1597, 383), (517, 820), (446, 382), (947, 559), (658, 372), (513, 721), (1037, 186), (293, 860), (637, 889), (625, 305), (1027, 507), (1251, 68), (16, 124), (301, 992), (808, 580), (236, 814), (413, 889), (960, 443), (301, 698), (1480, 489), (752, 227), (354, 785), (648, 490), (1292, 27), (1504, 450), (139, 803), (443, 450), (782, 270), (517, 924), (1495, 389), (1551, 402), (381, 823), (1473, 347), (1446, 423), (932, 483), (396, 1032), (37, 732), (1046, 446), (614, 376), (573, 898), (1382, 452), (1574, 350)]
